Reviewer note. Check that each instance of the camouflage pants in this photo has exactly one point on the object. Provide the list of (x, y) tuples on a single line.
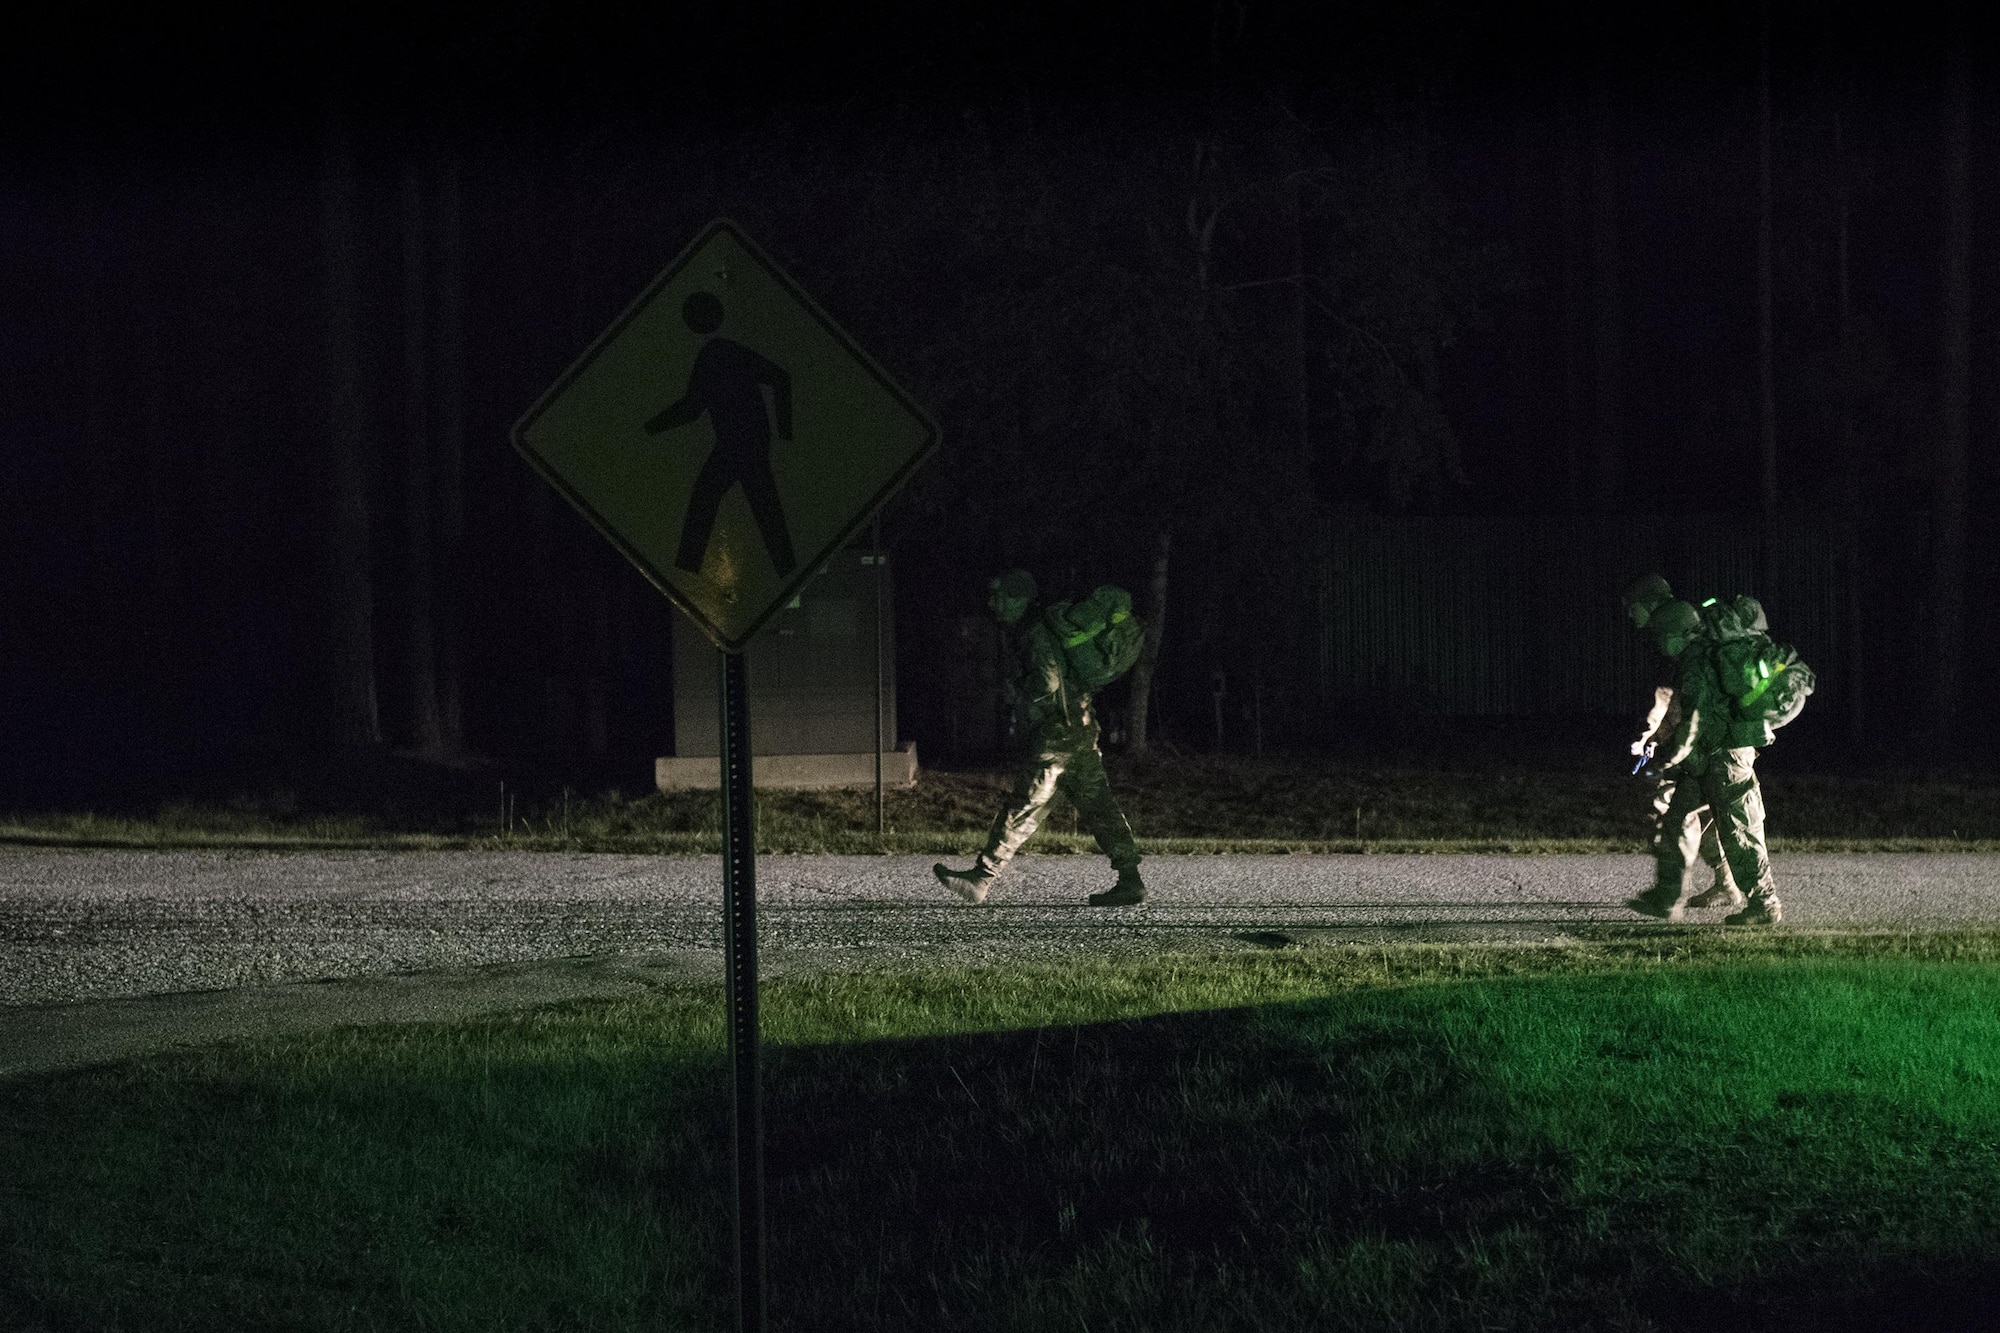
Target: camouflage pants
[(1725, 783), (1065, 761), (1711, 845)]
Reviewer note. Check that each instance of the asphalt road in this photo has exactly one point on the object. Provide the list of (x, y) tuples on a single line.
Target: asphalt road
[(105, 954)]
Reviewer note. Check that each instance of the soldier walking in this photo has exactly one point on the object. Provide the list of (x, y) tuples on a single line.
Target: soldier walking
[(1641, 599), (1054, 714), (1701, 763)]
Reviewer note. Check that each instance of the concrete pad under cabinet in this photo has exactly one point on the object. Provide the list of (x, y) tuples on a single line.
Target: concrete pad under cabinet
[(791, 772)]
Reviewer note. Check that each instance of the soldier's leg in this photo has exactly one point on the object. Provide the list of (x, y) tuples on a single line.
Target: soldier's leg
[(1722, 891), (1676, 839), (1084, 782), (1677, 811), (1738, 803), (1034, 787), (1711, 849), (1097, 810)]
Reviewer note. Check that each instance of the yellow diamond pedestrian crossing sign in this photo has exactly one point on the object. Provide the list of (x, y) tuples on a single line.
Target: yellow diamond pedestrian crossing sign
[(726, 435)]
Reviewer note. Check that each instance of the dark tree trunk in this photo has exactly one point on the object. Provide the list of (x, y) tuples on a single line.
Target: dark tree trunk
[(1607, 300), (161, 456), (1296, 593), (541, 721), (548, 598), (1139, 733), (548, 595), (597, 686), (1955, 395), (426, 725), (350, 646), (102, 463), (588, 727), (1292, 344), (1532, 365), (448, 610), (1850, 452), (1575, 410), (1767, 402)]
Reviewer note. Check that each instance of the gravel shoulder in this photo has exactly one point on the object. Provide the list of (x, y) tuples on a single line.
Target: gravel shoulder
[(105, 955)]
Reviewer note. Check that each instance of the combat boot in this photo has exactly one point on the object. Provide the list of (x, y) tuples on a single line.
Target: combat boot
[(970, 885), (1723, 893), (1128, 890), (1657, 903), (1760, 912)]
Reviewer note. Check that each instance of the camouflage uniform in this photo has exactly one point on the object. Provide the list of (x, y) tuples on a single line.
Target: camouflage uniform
[(1055, 717), (1702, 768), (1641, 598), (1660, 722), (1061, 729)]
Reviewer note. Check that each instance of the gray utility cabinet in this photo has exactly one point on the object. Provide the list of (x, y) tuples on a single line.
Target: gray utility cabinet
[(812, 683)]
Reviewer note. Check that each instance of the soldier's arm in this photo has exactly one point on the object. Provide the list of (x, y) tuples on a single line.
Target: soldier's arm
[(1663, 697), (1040, 685), (1676, 741), (1680, 745), (1046, 671), (1703, 708)]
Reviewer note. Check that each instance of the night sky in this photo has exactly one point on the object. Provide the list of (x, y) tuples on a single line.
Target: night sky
[(259, 259)]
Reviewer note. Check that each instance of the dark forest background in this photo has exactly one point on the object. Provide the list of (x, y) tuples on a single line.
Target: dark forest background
[(1183, 283)]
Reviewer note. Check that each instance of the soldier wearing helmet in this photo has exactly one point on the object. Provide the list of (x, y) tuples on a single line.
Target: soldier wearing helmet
[(1055, 713), (1699, 767), (1640, 600), (1643, 595)]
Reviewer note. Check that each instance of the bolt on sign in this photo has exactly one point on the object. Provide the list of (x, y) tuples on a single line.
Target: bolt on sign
[(726, 435)]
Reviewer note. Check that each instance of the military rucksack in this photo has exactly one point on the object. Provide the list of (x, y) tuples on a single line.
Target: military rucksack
[(1766, 683), (1100, 636), (1731, 619)]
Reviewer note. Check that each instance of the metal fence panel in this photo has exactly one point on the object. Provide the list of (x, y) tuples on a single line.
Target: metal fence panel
[(1520, 616)]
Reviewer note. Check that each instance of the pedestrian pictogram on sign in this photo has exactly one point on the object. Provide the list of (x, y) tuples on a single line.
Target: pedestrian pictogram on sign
[(726, 435)]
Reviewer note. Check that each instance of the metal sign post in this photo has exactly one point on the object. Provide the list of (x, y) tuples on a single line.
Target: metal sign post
[(739, 912)]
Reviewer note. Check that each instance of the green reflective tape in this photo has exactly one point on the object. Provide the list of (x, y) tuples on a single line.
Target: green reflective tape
[(1770, 674), (1087, 635)]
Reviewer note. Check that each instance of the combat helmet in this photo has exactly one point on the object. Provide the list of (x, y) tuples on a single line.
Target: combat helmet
[(1018, 583), (1674, 618), (1645, 595)]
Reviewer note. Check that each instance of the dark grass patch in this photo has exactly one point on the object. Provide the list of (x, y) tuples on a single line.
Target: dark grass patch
[(1648, 1131), (1074, 1169), (1390, 1160)]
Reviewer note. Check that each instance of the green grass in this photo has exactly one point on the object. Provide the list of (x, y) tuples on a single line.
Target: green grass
[(1174, 803), (1652, 1130)]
